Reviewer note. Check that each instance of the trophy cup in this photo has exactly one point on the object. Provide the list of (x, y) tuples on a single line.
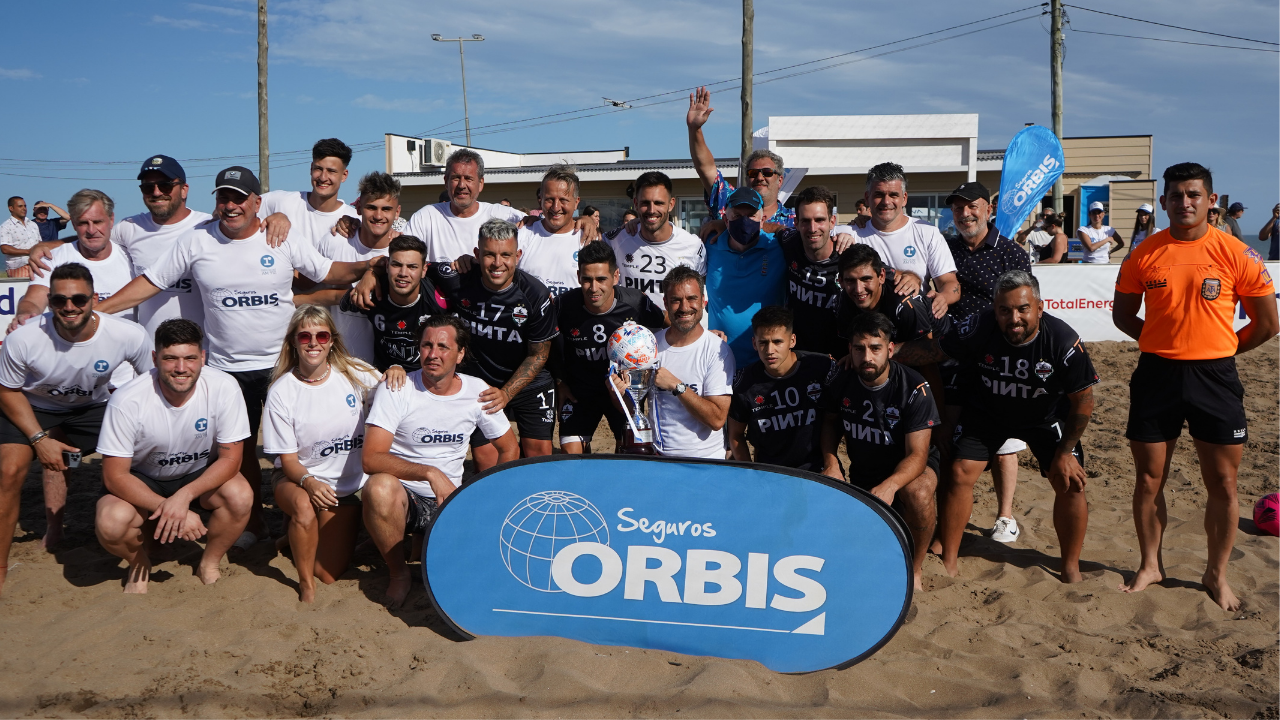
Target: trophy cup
[(638, 438)]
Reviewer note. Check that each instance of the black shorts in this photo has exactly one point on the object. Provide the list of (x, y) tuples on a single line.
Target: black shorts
[(422, 512), (1207, 394), (977, 438), (166, 488), (254, 385), (579, 420), (951, 382), (81, 426), (933, 462), (534, 412)]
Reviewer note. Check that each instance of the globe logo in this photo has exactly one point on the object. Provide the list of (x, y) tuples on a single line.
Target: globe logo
[(542, 525)]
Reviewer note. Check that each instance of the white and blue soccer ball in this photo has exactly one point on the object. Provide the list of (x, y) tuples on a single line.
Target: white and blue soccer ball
[(633, 347)]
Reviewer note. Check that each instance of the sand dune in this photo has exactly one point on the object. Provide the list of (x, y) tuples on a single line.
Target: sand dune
[(1004, 639)]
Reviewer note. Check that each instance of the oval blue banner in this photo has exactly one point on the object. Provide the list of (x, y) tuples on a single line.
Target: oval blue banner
[(725, 559)]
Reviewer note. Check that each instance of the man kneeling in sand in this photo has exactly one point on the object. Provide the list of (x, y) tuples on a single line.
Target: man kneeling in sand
[(171, 444), (416, 440)]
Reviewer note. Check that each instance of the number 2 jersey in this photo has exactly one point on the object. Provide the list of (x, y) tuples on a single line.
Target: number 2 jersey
[(875, 421), (1018, 385), (585, 336), (782, 414)]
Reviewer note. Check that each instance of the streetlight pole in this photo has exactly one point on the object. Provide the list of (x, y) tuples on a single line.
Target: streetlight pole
[(466, 116)]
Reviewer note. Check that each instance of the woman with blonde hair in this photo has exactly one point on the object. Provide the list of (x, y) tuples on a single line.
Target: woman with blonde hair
[(1217, 219), (314, 421)]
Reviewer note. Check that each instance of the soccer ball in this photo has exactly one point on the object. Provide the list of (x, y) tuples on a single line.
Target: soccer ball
[(633, 347)]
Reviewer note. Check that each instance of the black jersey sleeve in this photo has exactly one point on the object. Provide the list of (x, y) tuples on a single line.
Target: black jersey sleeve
[(739, 411), (445, 278), (921, 411), (1078, 371), (912, 318), (541, 325), (832, 394), (962, 337)]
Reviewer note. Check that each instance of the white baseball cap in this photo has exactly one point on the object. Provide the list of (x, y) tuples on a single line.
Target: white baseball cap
[(1146, 208), (1096, 206)]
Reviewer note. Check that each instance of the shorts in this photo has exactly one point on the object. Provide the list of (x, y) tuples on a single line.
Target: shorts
[(422, 512), (533, 411), (81, 426), (166, 488), (979, 439), (951, 374), (254, 385), (1207, 394), (352, 499), (933, 462), (579, 420)]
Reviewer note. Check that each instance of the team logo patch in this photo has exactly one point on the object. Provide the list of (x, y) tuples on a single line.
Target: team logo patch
[(574, 332), (909, 251), (445, 270), (630, 257), (402, 325), (759, 399), (845, 402), (101, 366), (351, 400), (892, 415), (1156, 284), (157, 161), (1252, 255), (551, 415), (795, 265), (519, 314), (566, 411), (202, 425), (958, 432), (968, 325), (1211, 288), (232, 175), (989, 359), (267, 261), (1044, 370), (814, 391)]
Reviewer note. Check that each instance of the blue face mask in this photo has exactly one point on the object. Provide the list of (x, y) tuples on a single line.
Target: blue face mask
[(744, 229)]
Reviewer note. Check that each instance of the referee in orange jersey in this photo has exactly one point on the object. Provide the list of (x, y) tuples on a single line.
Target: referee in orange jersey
[(1192, 275)]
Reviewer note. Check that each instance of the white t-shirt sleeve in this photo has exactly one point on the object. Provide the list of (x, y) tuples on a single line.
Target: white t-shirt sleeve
[(233, 417), (140, 354), (718, 377), (13, 367), (175, 263), (278, 436), (509, 214), (940, 260), (119, 432), (308, 261), (386, 412), (493, 426)]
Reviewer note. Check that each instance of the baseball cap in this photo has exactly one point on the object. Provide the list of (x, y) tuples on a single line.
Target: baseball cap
[(1236, 206), (745, 196), (1095, 205), (1146, 207), (238, 178), (164, 164), (969, 192)]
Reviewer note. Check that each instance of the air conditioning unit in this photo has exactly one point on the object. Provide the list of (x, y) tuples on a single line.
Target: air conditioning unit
[(434, 152)]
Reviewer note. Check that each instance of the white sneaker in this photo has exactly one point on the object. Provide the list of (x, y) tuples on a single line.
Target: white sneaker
[(1005, 531)]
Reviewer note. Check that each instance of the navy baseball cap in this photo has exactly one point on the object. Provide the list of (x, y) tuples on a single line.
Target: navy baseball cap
[(240, 179), (1236, 207), (969, 192), (164, 164), (745, 196)]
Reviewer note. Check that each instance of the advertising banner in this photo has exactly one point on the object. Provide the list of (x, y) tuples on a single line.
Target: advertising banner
[(1032, 162), (734, 560)]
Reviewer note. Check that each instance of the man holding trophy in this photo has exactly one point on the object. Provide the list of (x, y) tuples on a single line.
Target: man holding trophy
[(691, 382)]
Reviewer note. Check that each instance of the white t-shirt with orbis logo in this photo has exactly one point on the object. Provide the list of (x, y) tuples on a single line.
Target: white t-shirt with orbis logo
[(550, 257), (109, 274), (916, 247), (707, 367), (146, 243), (166, 442), (448, 236), (434, 429), (323, 424), (58, 375), (247, 289), (305, 222)]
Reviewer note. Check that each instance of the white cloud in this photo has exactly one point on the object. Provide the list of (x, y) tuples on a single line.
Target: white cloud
[(410, 105), (18, 74), (232, 12)]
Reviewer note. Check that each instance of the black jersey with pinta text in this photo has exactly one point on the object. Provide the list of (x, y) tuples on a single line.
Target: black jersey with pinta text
[(585, 336), (503, 324), (782, 414), (1018, 385), (912, 316), (396, 328), (813, 294), (875, 422)]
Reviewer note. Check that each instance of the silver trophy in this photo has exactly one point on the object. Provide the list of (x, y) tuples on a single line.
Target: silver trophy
[(639, 439)]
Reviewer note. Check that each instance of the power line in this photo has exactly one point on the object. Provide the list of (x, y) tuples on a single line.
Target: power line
[(1180, 42), (1175, 27)]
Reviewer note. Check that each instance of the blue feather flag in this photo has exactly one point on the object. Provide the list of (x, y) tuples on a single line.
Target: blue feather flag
[(1032, 163)]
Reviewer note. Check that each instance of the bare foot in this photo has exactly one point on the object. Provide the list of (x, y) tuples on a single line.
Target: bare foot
[(1144, 577), (397, 591), (1220, 591), (4, 572), (307, 594), (208, 574), (52, 536), (919, 584), (1071, 574), (136, 582)]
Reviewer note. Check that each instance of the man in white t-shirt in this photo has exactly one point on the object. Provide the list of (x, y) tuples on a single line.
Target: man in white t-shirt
[(645, 258), (905, 244), (451, 229), (171, 445), (416, 440), (54, 374), (313, 215), (549, 247), (694, 382), (247, 289)]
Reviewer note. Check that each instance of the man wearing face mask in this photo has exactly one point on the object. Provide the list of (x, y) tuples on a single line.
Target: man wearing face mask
[(746, 271)]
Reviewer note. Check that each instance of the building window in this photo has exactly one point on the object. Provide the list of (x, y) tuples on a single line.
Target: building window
[(692, 213)]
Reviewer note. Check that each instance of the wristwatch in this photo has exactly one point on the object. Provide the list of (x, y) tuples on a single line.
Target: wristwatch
[(679, 389)]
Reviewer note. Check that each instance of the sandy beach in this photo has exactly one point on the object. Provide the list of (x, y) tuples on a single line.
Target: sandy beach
[(1004, 639)]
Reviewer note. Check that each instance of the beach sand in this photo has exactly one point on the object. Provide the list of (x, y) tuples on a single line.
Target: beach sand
[(1004, 639)]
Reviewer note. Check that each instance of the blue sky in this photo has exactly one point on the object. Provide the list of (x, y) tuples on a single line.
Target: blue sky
[(109, 81)]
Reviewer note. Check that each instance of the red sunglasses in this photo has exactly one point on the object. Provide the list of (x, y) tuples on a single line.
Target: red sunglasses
[(322, 338)]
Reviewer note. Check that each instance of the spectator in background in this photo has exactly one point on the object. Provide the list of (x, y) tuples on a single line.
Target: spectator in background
[(628, 215), (764, 169), (49, 229), (17, 237), (861, 212), (1045, 243), (1272, 231), (590, 211), (1233, 214), (1144, 226), (1097, 238), (1215, 220), (503, 201)]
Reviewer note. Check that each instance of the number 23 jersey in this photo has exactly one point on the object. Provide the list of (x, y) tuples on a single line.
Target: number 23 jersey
[(644, 264)]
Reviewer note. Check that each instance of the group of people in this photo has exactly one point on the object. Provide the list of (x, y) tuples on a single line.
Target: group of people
[(372, 360)]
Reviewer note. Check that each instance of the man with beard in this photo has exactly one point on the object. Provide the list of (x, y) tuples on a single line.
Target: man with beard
[(314, 214), (982, 256), (53, 375), (693, 385), (171, 444), (813, 275), (1027, 376), (885, 414), (648, 255), (587, 316)]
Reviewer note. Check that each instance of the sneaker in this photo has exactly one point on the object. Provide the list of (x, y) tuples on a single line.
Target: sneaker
[(1005, 531)]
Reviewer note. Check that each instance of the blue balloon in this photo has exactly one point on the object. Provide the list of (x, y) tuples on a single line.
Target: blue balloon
[(1032, 163)]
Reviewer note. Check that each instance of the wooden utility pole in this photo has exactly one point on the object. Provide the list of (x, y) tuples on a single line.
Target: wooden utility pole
[(748, 21), (1055, 83), (264, 151)]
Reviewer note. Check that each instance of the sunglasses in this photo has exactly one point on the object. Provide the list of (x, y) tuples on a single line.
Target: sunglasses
[(79, 300), (757, 172), (166, 186), (322, 338)]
